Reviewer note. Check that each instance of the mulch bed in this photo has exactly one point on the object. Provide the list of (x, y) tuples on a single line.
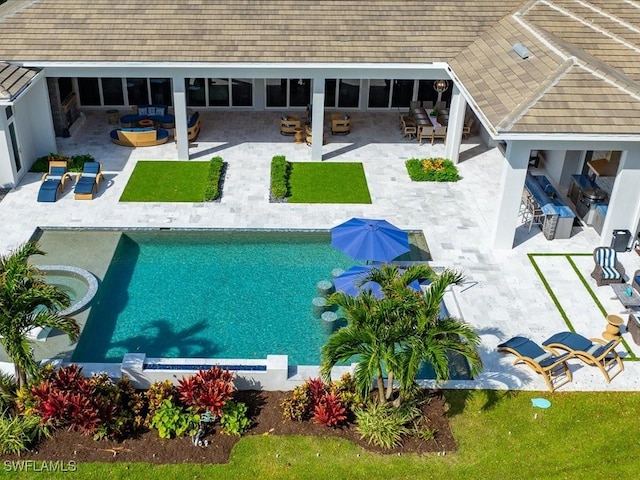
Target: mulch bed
[(266, 412)]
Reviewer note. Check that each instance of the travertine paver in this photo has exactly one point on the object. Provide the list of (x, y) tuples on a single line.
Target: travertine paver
[(503, 295)]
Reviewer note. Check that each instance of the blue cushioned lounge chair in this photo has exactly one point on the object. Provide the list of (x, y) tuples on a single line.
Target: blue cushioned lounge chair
[(552, 367), (88, 181), (608, 269), (53, 181), (596, 352)]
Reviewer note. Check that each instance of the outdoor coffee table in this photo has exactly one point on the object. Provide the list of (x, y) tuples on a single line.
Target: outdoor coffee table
[(622, 291)]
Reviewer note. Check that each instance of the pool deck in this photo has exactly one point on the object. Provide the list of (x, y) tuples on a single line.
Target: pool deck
[(503, 296)]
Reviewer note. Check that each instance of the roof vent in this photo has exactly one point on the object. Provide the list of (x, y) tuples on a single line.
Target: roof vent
[(521, 50)]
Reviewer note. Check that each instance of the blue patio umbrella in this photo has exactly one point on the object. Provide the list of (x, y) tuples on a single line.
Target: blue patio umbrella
[(369, 239), (350, 282)]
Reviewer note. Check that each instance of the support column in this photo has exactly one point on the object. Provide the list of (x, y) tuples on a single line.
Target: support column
[(317, 120), (180, 112), (514, 172), (624, 205), (457, 110)]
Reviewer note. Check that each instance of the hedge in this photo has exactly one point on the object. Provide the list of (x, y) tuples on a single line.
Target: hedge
[(280, 170), (212, 190)]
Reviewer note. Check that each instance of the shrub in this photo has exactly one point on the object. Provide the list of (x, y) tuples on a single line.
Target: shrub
[(329, 412), (298, 406), (74, 164), (211, 191), (19, 433), (207, 390), (383, 425), (157, 393), (173, 421), (68, 399), (280, 170), (315, 400), (432, 170), (234, 419)]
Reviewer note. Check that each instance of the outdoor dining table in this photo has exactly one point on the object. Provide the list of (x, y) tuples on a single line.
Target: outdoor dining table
[(423, 118)]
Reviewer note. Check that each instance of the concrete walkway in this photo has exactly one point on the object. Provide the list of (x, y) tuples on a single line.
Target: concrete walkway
[(503, 296)]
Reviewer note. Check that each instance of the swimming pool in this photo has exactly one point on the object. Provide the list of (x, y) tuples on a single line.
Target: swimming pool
[(211, 294)]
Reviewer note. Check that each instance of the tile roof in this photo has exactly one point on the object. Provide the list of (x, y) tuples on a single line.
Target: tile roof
[(246, 30), (583, 75), (13, 79)]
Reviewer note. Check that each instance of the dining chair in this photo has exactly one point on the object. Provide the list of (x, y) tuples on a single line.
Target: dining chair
[(427, 105), (424, 131), (440, 132)]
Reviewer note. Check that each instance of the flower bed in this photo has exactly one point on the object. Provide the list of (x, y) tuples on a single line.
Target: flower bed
[(432, 170)]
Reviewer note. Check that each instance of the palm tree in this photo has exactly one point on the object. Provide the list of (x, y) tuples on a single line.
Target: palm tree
[(369, 336), (397, 333), (27, 302)]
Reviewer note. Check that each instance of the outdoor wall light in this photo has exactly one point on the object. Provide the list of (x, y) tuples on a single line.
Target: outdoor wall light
[(441, 86), (521, 51)]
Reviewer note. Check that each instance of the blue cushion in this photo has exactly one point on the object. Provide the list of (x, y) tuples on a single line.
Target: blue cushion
[(345, 117), (131, 118), (114, 134), (151, 111), (84, 185), (193, 119), (91, 167), (143, 111), (165, 118), (162, 133), (161, 111)]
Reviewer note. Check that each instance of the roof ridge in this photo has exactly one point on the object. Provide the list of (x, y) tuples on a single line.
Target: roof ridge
[(530, 101), (610, 16), (593, 26)]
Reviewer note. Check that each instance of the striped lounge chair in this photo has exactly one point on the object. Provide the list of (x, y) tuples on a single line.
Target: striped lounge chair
[(608, 269)]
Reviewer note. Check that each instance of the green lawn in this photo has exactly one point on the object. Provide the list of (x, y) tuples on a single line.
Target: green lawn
[(500, 435), (170, 181), (315, 182)]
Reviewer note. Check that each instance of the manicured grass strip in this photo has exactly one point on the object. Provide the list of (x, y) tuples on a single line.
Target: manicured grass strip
[(499, 435), (632, 357), (315, 182), (554, 299), (170, 181)]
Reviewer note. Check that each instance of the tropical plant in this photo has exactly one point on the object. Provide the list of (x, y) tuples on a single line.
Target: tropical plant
[(297, 407), (8, 393), (157, 393), (173, 421), (19, 433), (27, 302), (67, 399), (432, 170), (207, 390), (234, 420), (329, 411), (382, 425), (396, 333)]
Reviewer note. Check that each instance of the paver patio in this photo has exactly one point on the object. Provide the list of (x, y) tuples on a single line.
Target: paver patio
[(503, 297)]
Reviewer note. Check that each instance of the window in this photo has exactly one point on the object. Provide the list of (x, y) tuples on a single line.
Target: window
[(379, 93), (137, 91), (349, 94), (242, 92), (219, 92), (330, 92), (300, 92), (161, 91), (66, 88), (9, 112), (402, 93), (14, 146), (426, 93), (112, 91), (89, 91), (276, 92), (195, 88)]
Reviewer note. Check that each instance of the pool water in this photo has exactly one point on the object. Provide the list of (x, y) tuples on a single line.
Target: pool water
[(74, 287), (213, 295)]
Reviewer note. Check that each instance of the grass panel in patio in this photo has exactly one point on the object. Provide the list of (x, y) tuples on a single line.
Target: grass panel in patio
[(314, 182), (166, 181)]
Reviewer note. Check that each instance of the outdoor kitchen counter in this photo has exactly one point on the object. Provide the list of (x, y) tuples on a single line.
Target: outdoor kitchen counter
[(559, 217)]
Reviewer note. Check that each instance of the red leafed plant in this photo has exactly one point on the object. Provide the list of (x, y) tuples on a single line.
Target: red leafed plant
[(317, 389), (329, 411), (68, 399), (207, 390)]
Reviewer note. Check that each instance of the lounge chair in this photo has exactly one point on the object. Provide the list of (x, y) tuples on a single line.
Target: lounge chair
[(53, 181), (88, 181), (596, 352), (552, 367), (608, 269)]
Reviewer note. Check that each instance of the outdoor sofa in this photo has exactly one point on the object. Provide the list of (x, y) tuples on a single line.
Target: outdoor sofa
[(139, 137), (158, 114)]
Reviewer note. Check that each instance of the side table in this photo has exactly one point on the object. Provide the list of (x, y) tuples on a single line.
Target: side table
[(298, 136), (612, 331)]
